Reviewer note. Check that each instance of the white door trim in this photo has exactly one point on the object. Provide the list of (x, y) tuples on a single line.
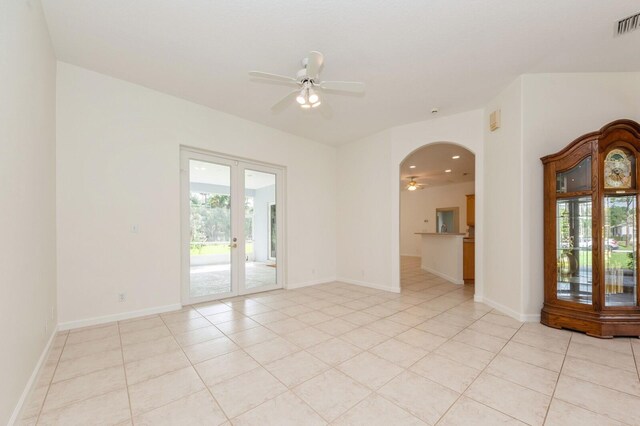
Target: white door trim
[(269, 231)]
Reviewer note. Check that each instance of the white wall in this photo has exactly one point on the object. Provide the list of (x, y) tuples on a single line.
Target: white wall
[(364, 211), (27, 196), (418, 206), (369, 195), (503, 245), (541, 114), (556, 109), (118, 165)]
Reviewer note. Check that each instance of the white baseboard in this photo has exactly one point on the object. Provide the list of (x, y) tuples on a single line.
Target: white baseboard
[(409, 255), (530, 317), (370, 285), (441, 275), (499, 306), (291, 286), (118, 317), (508, 311), (17, 411)]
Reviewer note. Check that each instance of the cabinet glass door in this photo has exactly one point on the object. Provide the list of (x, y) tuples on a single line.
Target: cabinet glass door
[(573, 249), (575, 179), (620, 254)]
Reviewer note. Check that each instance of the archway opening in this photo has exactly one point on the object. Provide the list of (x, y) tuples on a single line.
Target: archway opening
[(437, 220)]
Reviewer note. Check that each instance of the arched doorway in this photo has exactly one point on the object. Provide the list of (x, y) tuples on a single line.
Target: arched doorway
[(437, 237)]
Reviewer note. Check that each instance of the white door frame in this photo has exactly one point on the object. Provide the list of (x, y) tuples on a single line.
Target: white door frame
[(269, 204), (238, 166), (278, 172)]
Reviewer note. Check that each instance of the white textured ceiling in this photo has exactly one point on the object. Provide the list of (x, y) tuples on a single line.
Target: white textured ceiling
[(431, 162), (412, 54)]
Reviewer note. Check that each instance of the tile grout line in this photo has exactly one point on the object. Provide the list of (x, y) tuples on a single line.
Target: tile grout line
[(168, 372), (588, 381), (479, 374), (59, 357), (375, 391), (68, 404), (288, 389), (339, 294), (635, 357), (553, 394), (194, 369), (334, 367), (599, 384), (124, 368), (64, 345), (407, 369)]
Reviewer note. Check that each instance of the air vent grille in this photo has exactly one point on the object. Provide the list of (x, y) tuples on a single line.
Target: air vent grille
[(628, 24)]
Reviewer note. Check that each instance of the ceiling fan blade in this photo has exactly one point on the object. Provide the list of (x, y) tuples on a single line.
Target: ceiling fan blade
[(343, 86), (274, 77), (314, 62), (286, 100)]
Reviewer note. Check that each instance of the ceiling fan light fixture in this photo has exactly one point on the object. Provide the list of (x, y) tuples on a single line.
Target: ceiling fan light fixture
[(308, 83), (313, 96), (413, 185), (302, 98)]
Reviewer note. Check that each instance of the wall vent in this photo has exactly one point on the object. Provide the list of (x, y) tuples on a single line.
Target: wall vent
[(627, 25)]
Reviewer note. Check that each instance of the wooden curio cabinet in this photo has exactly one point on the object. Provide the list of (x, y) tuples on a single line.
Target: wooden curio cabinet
[(591, 196)]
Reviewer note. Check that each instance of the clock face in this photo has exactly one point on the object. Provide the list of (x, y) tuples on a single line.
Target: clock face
[(617, 170)]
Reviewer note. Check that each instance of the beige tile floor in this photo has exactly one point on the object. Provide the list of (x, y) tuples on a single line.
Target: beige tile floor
[(338, 354)]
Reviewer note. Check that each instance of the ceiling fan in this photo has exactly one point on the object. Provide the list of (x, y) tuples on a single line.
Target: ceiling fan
[(309, 86), (413, 185)]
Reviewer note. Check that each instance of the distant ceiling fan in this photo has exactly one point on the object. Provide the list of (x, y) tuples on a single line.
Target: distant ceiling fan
[(309, 86), (413, 185)]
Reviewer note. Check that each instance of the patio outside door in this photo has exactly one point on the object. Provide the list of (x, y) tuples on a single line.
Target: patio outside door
[(232, 236)]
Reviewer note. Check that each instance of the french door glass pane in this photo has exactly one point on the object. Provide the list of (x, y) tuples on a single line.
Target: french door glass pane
[(573, 249), (210, 220), (620, 281), (260, 229)]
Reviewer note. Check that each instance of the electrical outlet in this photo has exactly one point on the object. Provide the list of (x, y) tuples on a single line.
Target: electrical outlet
[(313, 272), (121, 297), (135, 228)]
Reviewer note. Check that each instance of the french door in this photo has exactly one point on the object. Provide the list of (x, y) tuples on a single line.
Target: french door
[(232, 227)]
